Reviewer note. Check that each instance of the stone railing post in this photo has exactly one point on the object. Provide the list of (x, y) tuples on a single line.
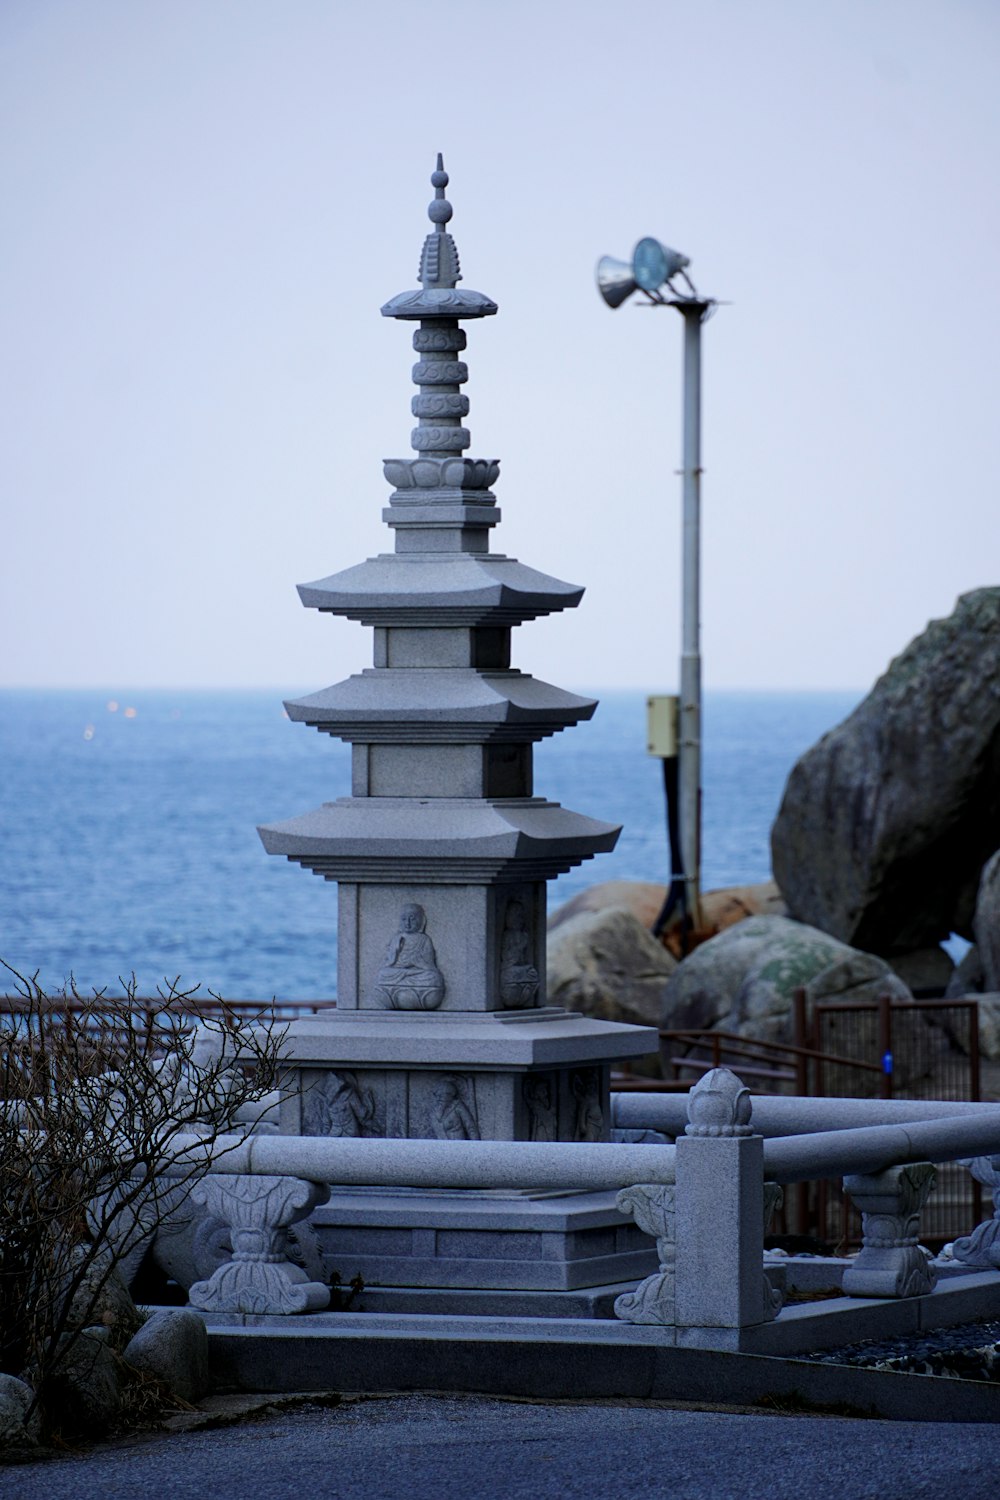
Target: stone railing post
[(891, 1262), (981, 1248), (709, 1228), (721, 1285), (260, 1278)]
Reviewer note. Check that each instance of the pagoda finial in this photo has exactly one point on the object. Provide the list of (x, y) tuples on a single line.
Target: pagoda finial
[(439, 257), (440, 211), (439, 271)]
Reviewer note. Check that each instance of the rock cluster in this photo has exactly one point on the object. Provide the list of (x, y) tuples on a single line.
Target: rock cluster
[(604, 961), (88, 1388), (887, 842)]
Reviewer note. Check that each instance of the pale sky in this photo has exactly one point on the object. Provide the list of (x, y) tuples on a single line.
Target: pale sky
[(207, 201)]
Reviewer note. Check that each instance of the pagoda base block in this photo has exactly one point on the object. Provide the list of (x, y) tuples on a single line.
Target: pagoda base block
[(463, 1302), (451, 1076), (406, 1240)]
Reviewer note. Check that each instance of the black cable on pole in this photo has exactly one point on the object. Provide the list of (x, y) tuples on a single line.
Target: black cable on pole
[(677, 893)]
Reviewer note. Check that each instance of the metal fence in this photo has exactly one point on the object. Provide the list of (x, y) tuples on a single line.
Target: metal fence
[(883, 1049), (921, 1049)]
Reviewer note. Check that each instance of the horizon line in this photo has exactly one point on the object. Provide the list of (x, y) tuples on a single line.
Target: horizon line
[(286, 691)]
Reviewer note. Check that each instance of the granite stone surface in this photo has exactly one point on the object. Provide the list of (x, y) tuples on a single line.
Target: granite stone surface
[(443, 850)]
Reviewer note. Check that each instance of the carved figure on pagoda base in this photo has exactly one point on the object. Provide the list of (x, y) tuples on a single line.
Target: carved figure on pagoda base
[(586, 1089), (410, 978), (540, 1106), (339, 1106), (452, 1119), (518, 975)]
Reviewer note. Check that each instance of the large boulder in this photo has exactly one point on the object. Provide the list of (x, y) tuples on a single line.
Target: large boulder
[(17, 1428), (743, 980), (887, 822), (926, 971), (989, 1027), (643, 899), (83, 1392), (986, 922), (101, 1297), (606, 964), (172, 1347), (967, 978)]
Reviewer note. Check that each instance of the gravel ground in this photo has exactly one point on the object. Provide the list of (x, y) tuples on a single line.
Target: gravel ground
[(971, 1352)]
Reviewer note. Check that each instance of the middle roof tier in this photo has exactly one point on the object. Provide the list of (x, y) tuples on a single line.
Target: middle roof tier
[(440, 705), (435, 589)]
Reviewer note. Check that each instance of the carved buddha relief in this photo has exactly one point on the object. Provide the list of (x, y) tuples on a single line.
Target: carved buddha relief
[(518, 975), (410, 978)]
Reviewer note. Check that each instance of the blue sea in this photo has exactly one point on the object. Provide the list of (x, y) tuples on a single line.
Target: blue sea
[(129, 844)]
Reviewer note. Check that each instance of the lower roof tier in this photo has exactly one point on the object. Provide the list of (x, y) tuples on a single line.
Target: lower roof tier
[(446, 705), (434, 589), (446, 840)]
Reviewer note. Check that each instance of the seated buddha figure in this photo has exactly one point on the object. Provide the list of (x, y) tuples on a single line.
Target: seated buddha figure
[(410, 978)]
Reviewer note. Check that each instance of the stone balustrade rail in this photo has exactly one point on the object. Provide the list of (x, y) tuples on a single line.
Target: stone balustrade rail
[(706, 1200)]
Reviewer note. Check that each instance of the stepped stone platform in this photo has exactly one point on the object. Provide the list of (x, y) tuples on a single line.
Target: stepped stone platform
[(575, 1358)]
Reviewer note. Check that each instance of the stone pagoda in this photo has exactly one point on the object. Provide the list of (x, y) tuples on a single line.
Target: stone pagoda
[(442, 853)]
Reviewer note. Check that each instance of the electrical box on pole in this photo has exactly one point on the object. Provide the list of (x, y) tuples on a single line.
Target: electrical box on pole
[(663, 714)]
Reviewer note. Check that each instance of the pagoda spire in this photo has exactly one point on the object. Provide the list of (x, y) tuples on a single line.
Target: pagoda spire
[(441, 491), (439, 264)]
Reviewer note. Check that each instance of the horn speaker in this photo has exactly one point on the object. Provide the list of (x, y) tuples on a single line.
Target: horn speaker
[(615, 280)]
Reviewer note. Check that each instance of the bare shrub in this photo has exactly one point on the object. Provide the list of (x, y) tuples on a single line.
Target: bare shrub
[(96, 1093)]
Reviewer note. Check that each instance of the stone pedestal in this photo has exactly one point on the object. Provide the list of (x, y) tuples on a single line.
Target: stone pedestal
[(441, 854), (891, 1262), (259, 1278)]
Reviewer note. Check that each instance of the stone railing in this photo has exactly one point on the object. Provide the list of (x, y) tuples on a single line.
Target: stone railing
[(706, 1200)]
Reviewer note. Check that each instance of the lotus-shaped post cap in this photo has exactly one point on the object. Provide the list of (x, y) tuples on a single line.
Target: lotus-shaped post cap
[(719, 1104)]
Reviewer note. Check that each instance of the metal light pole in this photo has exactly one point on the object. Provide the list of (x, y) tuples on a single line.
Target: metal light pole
[(652, 269), (689, 789)]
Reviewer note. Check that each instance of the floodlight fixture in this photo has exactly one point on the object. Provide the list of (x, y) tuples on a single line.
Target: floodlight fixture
[(653, 266), (615, 280)]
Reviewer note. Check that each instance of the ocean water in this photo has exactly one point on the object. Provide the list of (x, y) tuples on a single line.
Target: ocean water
[(128, 832)]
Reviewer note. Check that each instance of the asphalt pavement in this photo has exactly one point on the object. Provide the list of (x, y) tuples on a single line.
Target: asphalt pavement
[(452, 1447)]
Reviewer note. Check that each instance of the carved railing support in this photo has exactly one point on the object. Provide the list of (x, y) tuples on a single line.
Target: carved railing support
[(981, 1248), (260, 1278), (652, 1207), (891, 1262)]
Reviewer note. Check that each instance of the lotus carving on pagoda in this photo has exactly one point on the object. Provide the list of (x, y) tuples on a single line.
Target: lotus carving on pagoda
[(441, 473)]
